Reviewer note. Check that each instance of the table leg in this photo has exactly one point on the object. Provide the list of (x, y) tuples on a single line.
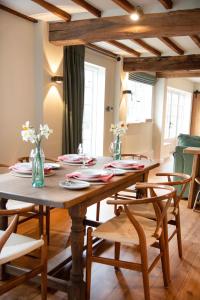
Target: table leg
[(193, 185), (3, 226), (77, 289)]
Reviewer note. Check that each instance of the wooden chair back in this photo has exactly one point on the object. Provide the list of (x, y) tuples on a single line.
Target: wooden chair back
[(134, 156), (160, 203)]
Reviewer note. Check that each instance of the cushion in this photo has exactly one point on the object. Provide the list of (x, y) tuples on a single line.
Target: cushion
[(188, 140)]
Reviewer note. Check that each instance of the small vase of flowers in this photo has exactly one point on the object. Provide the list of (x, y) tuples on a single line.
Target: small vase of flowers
[(30, 134), (118, 130)]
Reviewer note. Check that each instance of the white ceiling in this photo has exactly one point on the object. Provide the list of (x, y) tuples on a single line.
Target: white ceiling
[(109, 8)]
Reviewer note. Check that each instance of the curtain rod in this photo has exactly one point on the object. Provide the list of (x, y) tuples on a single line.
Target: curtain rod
[(103, 51)]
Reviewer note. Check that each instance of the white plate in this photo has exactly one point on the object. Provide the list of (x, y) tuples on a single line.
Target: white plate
[(126, 161), (92, 173), (74, 184), (116, 172), (52, 165), (30, 175)]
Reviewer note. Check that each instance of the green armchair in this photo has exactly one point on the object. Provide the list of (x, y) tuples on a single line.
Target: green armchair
[(182, 161)]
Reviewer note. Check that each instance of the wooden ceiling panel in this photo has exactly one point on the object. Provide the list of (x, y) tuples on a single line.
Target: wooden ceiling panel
[(124, 48), (54, 9), (178, 74), (167, 41), (124, 4), (196, 39), (17, 13), (168, 4), (147, 47), (93, 10)]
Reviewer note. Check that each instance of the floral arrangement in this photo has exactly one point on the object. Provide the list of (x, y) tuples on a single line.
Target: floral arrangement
[(118, 129), (29, 133)]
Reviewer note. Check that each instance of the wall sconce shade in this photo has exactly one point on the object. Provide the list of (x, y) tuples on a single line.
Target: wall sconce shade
[(125, 92), (57, 79)]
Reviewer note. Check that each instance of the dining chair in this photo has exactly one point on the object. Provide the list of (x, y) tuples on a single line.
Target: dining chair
[(132, 188), (180, 182), (37, 212), (13, 246), (43, 211), (137, 231)]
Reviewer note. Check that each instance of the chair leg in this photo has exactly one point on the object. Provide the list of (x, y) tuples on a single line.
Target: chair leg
[(196, 200), (178, 230), (145, 274), (98, 211), (117, 252), (41, 220), (88, 262), (164, 260), (48, 224), (44, 270), (166, 239)]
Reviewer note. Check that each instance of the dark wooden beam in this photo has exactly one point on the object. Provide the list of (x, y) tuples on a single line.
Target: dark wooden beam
[(173, 23), (147, 47), (167, 41), (124, 48), (196, 39), (54, 9), (163, 63), (18, 14), (168, 4), (124, 4), (178, 74), (102, 50), (93, 10)]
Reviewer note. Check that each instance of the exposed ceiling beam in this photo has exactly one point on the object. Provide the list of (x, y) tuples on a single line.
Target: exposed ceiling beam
[(54, 9), (167, 41), (124, 4), (196, 39), (18, 14), (163, 63), (102, 50), (93, 10), (168, 4), (178, 74), (147, 47), (124, 48), (173, 23)]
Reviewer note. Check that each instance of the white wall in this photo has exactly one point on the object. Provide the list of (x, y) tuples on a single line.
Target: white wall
[(17, 84), (181, 84)]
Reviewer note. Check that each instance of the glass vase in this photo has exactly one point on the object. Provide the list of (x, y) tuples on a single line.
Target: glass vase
[(117, 148), (37, 157)]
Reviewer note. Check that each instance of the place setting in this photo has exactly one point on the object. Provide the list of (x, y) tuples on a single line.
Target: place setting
[(124, 165), (25, 169)]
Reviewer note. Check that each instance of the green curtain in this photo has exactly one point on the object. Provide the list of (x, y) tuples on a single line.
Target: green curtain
[(73, 97)]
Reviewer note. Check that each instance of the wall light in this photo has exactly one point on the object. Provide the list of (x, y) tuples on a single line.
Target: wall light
[(57, 79), (135, 16), (125, 92)]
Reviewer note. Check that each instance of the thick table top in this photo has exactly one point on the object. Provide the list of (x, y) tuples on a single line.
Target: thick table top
[(17, 188)]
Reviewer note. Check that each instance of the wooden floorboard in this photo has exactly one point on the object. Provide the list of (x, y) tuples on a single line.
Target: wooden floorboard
[(123, 284)]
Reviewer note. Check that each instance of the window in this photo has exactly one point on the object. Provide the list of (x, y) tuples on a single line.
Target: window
[(178, 112), (93, 117), (139, 105)]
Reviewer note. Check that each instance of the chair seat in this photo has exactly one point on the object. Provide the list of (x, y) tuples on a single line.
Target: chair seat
[(16, 246), (120, 229), (147, 211), (14, 204)]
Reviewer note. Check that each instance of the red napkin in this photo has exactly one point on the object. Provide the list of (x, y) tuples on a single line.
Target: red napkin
[(121, 166), (78, 175)]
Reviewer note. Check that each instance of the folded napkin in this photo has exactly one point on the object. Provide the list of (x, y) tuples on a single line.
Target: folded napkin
[(77, 175), (119, 165)]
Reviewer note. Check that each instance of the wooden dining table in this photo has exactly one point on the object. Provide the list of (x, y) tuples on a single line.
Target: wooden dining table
[(76, 202)]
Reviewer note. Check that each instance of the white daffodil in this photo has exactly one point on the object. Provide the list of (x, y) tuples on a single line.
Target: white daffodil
[(29, 134), (118, 129)]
